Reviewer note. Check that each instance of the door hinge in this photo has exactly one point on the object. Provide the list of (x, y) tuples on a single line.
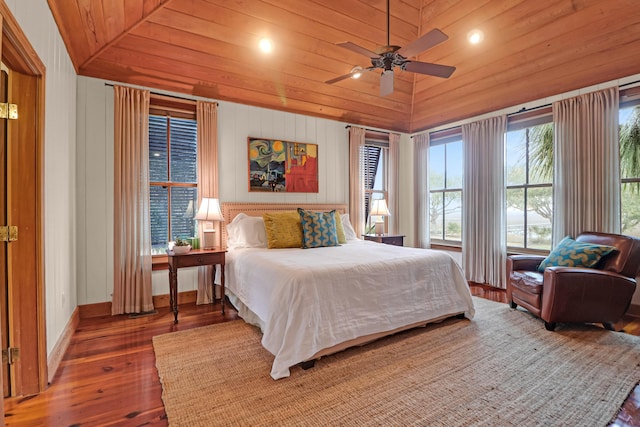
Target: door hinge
[(10, 355), (8, 111), (8, 233)]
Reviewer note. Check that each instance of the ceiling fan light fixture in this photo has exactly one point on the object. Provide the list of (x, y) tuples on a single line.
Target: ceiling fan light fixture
[(475, 36), (266, 45), (356, 72)]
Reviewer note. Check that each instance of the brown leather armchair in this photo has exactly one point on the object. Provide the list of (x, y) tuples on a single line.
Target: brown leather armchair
[(575, 294)]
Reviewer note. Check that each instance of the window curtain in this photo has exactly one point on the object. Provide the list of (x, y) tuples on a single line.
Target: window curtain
[(421, 188), (484, 248), (207, 118), (586, 180), (393, 189), (356, 180), (132, 292)]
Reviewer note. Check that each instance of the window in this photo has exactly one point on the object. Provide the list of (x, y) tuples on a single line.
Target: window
[(374, 160), (529, 178), (630, 169), (173, 176), (445, 187)]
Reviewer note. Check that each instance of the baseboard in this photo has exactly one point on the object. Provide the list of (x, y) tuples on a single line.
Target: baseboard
[(186, 297), (57, 354), (634, 310), (104, 308), (95, 310)]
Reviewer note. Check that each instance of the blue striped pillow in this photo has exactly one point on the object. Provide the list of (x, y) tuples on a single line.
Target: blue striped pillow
[(318, 229)]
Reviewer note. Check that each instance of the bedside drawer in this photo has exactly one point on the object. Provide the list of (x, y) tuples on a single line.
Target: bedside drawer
[(393, 240), (388, 239)]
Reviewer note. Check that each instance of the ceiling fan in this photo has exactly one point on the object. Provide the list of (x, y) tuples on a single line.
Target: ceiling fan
[(388, 57)]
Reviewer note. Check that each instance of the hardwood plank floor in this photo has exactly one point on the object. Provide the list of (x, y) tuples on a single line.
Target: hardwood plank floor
[(108, 375)]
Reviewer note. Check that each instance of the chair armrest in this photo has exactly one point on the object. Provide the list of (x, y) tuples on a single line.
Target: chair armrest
[(524, 262), (575, 292), (576, 276)]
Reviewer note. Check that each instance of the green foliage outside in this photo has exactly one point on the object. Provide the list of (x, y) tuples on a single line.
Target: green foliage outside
[(541, 171), (630, 168)]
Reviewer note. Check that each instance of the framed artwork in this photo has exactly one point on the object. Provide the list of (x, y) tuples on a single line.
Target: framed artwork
[(276, 165)]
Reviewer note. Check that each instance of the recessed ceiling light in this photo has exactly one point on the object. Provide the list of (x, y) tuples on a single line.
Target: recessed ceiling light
[(356, 72), (266, 45), (475, 36)]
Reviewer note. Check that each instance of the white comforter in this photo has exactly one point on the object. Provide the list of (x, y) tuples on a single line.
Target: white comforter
[(306, 300)]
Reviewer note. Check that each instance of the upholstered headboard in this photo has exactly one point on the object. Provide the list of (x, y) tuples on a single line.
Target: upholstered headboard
[(230, 210)]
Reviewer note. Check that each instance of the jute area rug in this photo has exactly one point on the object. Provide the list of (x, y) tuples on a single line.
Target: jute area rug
[(502, 368)]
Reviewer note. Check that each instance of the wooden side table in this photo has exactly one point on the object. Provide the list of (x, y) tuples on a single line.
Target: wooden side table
[(195, 258), (389, 239)]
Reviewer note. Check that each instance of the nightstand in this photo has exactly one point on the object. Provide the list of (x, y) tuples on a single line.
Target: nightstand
[(389, 239), (195, 258)]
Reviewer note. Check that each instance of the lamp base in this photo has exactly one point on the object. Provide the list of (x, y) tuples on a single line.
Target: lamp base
[(208, 239), (379, 228)]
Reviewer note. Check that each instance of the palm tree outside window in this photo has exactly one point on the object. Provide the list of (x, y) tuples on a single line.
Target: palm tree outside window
[(630, 169)]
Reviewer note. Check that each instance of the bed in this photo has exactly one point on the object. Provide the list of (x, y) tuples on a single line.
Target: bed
[(314, 302)]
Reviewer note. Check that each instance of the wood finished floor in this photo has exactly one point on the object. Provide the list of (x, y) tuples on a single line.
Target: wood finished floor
[(108, 376)]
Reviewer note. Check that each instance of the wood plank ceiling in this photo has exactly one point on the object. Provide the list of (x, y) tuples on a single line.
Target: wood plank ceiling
[(531, 50)]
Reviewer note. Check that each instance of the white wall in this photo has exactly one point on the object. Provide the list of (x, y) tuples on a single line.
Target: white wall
[(236, 122), (35, 19)]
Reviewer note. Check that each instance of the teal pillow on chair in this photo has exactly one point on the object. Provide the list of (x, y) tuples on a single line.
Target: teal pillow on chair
[(318, 229), (570, 253)]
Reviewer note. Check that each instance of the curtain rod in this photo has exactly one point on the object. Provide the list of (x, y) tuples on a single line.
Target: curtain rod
[(525, 110), (160, 94), (630, 83), (370, 130), (522, 110)]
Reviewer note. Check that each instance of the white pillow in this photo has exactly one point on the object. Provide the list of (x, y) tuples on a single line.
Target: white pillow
[(349, 232), (246, 232)]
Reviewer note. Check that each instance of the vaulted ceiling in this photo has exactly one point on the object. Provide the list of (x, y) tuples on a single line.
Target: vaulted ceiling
[(532, 49)]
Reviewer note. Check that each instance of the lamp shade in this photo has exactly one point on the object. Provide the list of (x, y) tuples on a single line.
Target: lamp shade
[(209, 210), (379, 208)]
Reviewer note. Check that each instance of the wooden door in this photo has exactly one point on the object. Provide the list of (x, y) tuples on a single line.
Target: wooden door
[(3, 303), (22, 259), (4, 289), (25, 313)]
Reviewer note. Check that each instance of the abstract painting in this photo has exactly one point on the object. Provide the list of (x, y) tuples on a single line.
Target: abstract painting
[(277, 165)]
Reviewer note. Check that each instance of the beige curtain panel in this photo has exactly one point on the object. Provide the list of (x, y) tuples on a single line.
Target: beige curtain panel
[(132, 292), (586, 180), (484, 248), (393, 183), (207, 117), (421, 196), (356, 181)]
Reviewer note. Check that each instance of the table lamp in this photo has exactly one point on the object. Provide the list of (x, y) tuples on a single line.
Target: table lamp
[(379, 210), (209, 211)]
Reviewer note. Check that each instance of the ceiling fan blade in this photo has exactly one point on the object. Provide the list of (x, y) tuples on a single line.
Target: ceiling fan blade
[(428, 68), (386, 82), (339, 78), (358, 49), (351, 74), (423, 43)]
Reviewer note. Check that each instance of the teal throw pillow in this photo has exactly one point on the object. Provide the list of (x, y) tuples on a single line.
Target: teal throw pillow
[(318, 229), (570, 253)]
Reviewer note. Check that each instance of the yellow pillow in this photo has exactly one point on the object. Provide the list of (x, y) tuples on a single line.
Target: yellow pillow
[(284, 229), (342, 238)]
